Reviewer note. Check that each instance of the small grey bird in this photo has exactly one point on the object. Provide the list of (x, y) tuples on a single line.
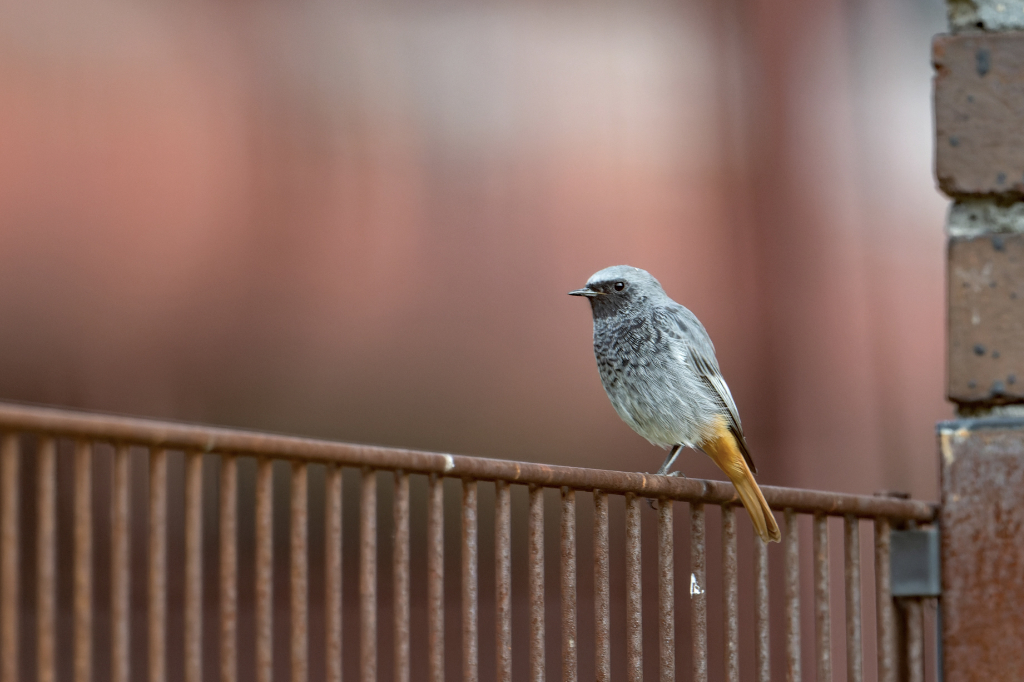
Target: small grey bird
[(659, 369)]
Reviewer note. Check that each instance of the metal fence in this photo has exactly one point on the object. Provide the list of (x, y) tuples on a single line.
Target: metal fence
[(30, 432)]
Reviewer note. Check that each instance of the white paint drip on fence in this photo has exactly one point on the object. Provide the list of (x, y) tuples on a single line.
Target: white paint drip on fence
[(695, 587)]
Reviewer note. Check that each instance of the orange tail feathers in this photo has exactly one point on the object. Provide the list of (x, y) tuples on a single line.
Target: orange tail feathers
[(725, 452)]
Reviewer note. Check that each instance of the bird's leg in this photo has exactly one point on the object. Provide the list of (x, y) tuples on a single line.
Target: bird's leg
[(672, 454), (663, 471)]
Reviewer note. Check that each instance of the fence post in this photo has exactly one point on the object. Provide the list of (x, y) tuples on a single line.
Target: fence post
[(982, 549)]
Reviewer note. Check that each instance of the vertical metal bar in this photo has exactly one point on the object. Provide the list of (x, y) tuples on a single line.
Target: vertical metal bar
[(368, 576), (915, 639), (884, 606), (503, 580), (470, 563), (730, 596), (698, 593), (602, 600), (157, 565), (193, 621), (300, 571), (854, 655), (46, 565), (569, 657), (762, 643), (9, 556), (536, 572), (435, 577), (938, 655), (666, 591), (83, 561), (822, 613), (264, 570), (400, 576), (332, 568), (792, 548), (634, 593), (228, 586)]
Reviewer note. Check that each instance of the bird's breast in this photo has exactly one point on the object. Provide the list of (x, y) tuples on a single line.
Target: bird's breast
[(650, 384)]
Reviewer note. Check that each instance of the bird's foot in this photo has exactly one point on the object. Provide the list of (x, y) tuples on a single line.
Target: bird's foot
[(677, 474)]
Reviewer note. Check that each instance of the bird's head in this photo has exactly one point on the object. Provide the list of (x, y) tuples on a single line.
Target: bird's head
[(619, 288)]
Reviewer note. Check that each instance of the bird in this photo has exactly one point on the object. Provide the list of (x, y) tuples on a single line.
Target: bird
[(659, 369)]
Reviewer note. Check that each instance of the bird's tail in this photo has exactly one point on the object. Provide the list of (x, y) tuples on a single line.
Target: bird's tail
[(725, 452)]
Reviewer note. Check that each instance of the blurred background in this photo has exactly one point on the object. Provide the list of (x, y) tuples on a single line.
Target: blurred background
[(359, 221)]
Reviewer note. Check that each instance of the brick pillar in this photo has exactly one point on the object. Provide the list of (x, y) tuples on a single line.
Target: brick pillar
[(979, 164)]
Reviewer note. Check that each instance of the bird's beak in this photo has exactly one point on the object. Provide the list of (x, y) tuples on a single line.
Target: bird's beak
[(589, 293)]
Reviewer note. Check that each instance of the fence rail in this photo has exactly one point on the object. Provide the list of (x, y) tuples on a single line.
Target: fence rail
[(159, 437), (175, 436)]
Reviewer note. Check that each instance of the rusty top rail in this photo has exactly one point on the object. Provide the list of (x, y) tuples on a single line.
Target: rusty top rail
[(179, 436)]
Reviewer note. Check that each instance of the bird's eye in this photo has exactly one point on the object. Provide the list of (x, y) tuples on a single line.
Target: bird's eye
[(619, 286)]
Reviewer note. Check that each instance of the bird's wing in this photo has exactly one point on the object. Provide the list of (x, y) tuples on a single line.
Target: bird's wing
[(700, 353)]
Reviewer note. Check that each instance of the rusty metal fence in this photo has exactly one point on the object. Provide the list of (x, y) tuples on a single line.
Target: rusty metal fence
[(30, 432)]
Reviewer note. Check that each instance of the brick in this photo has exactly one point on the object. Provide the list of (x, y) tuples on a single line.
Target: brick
[(979, 110), (986, 319)]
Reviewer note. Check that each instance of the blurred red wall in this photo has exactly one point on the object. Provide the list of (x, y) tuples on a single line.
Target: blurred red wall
[(360, 222)]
